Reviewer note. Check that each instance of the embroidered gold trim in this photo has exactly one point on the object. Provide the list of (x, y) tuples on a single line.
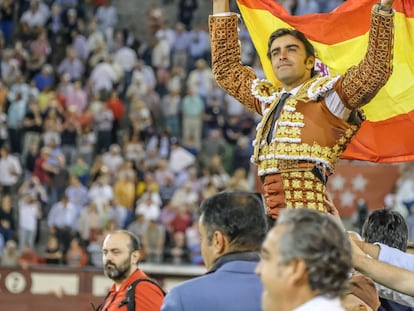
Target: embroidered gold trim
[(287, 145), (303, 189)]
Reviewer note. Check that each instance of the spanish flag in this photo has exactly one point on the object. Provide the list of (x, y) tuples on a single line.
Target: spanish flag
[(341, 39)]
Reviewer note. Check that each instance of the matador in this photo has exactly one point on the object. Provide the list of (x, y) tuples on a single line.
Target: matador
[(307, 122)]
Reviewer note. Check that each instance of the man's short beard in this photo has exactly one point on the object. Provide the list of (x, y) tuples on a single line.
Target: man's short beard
[(117, 273)]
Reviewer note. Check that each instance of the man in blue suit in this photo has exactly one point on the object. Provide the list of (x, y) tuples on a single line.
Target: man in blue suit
[(232, 226)]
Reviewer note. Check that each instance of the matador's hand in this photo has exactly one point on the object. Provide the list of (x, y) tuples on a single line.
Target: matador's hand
[(387, 4), (220, 6)]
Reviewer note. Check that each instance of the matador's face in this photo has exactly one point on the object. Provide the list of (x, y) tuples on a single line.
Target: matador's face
[(289, 61)]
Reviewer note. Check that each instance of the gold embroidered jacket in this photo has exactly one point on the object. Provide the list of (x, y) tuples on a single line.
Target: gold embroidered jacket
[(307, 131)]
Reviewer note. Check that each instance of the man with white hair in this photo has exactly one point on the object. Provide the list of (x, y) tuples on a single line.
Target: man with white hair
[(305, 262)]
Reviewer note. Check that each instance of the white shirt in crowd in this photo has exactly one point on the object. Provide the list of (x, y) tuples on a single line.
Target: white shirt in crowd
[(10, 169)]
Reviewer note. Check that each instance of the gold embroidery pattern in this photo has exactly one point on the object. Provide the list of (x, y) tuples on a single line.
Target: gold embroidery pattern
[(228, 70), (264, 126), (287, 152), (320, 86), (264, 88), (303, 189), (361, 83), (279, 154)]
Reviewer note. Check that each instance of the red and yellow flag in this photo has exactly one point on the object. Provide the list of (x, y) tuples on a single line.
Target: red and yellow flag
[(341, 39)]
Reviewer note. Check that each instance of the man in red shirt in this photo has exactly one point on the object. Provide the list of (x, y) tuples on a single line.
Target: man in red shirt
[(115, 104), (121, 254)]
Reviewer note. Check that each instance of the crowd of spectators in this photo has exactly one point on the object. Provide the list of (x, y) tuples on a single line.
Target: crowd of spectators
[(101, 130)]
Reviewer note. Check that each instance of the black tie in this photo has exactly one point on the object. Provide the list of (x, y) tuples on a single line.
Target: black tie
[(276, 114)]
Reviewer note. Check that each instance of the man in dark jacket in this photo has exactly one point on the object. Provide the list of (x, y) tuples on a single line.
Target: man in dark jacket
[(232, 226)]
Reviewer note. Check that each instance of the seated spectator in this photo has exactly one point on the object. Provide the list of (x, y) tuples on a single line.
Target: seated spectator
[(10, 169), (136, 90), (103, 127), (148, 207), (54, 28), (86, 146), (94, 250), (10, 254), (1, 246), (71, 20), (192, 237), (120, 214), (177, 252), (184, 195), (134, 149), (64, 87), (113, 158), (209, 190), (35, 63), (103, 75), (71, 65), (76, 256), (33, 127), (76, 99), (46, 101), (30, 160), (101, 192), (180, 158), (7, 8), (28, 257), (182, 219), (59, 181), (53, 254), (89, 223), (153, 241), (33, 187), (7, 223), (44, 77), (97, 169), (20, 54), (106, 18), (80, 44), (109, 226), (148, 187), (29, 214), (238, 180), (95, 36), (167, 190), (167, 215), (219, 175), (3, 120), (62, 221), (36, 16), (138, 226), (117, 106), (10, 68), (42, 169), (41, 46), (124, 190), (77, 193)]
